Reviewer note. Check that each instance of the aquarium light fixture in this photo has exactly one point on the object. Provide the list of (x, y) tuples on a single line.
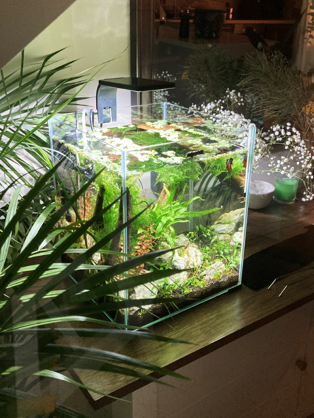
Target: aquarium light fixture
[(106, 95)]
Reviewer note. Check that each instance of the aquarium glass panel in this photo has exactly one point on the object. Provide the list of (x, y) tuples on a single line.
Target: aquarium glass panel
[(189, 170)]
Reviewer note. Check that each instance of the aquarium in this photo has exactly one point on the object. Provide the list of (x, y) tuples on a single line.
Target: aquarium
[(189, 171)]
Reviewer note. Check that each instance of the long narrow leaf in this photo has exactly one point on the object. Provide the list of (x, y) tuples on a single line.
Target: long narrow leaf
[(101, 333), (11, 212), (59, 376), (34, 323), (117, 286), (98, 278), (109, 356), (38, 224)]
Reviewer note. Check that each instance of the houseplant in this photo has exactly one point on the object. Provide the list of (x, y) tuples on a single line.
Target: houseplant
[(32, 323), (27, 102)]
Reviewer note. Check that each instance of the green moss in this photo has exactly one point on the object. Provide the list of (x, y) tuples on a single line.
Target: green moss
[(145, 166), (218, 165), (144, 138), (112, 185), (126, 131), (177, 175)]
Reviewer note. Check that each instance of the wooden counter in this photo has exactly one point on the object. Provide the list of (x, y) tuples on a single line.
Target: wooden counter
[(219, 321)]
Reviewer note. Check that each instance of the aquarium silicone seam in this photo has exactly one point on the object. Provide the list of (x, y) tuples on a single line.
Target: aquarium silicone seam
[(125, 218), (250, 156)]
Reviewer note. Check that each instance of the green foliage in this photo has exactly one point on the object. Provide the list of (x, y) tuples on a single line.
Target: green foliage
[(217, 165), (195, 281), (112, 186), (209, 73), (28, 97), (215, 249), (144, 138), (175, 176), (280, 92), (128, 129), (111, 183), (29, 325), (146, 166), (165, 214), (166, 287)]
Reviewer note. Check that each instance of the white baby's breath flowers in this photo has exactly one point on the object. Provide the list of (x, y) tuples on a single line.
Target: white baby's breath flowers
[(297, 153), (296, 148), (229, 123)]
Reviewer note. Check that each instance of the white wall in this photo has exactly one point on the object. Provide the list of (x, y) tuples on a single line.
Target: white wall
[(255, 376), (94, 31), (22, 21)]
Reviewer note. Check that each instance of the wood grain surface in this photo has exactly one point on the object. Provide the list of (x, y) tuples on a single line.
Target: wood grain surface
[(219, 321)]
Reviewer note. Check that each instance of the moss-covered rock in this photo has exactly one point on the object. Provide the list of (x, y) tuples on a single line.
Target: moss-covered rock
[(215, 271)]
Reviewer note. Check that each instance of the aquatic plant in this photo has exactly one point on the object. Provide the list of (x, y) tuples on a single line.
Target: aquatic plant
[(176, 176), (145, 242), (217, 165), (213, 248), (164, 214)]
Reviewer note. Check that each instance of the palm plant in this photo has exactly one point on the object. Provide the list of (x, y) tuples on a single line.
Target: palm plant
[(31, 323), (27, 97), (30, 96)]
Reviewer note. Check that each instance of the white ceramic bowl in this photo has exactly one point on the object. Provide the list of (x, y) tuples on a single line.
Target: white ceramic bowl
[(261, 194)]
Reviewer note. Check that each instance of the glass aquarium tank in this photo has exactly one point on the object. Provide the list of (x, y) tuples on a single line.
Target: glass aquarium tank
[(192, 175)]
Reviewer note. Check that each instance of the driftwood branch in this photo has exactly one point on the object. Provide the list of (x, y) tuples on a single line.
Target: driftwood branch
[(99, 205)]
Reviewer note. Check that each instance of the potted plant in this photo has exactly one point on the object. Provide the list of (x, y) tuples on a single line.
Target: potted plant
[(32, 323)]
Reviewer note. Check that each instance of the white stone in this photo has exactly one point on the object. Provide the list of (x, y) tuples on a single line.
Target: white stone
[(178, 262), (144, 291), (237, 238), (189, 256), (179, 278), (225, 228), (182, 240), (235, 216), (218, 267), (225, 237)]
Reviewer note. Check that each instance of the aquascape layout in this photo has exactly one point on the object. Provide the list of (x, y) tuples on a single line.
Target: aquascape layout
[(187, 173)]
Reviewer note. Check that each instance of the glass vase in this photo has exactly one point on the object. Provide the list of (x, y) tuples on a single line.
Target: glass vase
[(285, 189)]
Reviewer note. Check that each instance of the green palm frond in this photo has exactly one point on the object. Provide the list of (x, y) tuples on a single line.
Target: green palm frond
[(31, 323)]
